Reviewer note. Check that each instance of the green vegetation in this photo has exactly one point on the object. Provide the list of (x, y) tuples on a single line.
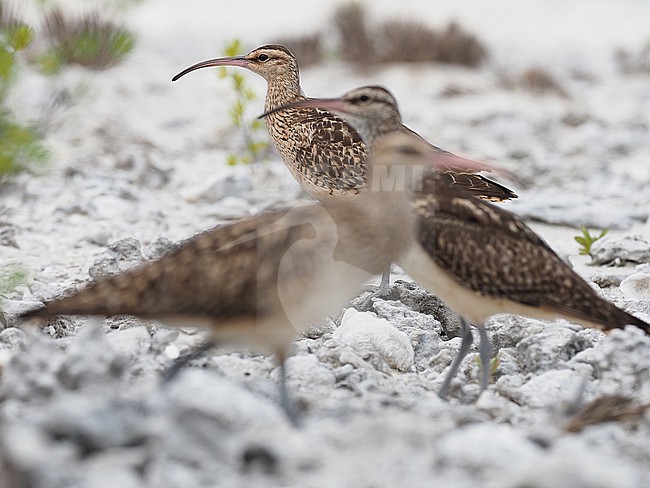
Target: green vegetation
[(11, 276), (494, 364), (255, 145), (20, 146), (89, 40), (586, 240)]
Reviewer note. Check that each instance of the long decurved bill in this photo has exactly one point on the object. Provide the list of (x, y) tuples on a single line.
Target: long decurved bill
[(239, 61), (444, 160)]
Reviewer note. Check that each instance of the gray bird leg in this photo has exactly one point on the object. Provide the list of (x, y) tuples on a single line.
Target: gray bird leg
[(286, 401), (464, 349), (485, 351), (183, 361), (381, 291)]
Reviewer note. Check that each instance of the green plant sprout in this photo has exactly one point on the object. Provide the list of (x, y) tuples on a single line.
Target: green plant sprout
[(255, 145), (494, 363), (586, 240)]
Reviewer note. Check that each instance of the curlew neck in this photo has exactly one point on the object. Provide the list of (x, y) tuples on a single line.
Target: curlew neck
[(283, 89)]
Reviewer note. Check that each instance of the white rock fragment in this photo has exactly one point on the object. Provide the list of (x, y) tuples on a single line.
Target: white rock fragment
[(488, 447), (214, 402), (542, 351), (572, 462), (367, 335), (306, 369), (120, 256), (548, 388), (636, 287), (612, 250)]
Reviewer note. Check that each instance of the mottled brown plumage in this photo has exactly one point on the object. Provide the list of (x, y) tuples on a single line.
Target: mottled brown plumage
[(259, 281), (478, 258), (221, 276), (323, 152), (490, 251)]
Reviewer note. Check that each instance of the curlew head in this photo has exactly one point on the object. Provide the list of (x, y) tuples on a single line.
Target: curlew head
[(270, 62)]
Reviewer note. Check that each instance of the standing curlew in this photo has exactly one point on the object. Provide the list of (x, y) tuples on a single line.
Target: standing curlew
[(479, 259), (321, 150), (261, 280)]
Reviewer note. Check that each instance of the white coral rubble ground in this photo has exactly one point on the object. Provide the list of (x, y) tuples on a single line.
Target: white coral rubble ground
[(139, 164)]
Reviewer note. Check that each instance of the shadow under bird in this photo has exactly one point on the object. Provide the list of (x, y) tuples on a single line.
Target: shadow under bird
[(321, 150), (480, 259), (260, 281)]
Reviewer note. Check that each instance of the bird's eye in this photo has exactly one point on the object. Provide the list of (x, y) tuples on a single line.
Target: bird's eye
[(407, 150), (263, 57)]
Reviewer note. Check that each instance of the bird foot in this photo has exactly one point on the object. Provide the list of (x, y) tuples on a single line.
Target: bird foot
[(465, 345), (380, 291), (183, 361)]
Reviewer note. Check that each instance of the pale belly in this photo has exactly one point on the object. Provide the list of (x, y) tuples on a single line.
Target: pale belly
[(471, 305)]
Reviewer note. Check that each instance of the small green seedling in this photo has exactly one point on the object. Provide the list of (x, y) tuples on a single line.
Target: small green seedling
[(494, 363), (255, 145), (586, 240)]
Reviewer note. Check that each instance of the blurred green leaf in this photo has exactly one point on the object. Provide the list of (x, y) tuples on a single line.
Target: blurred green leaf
[(12, 276), (122, 44), (50, 62), (20, 147), (20, 36), (257, 147), (233, 48), (238, 82), (253, 147), (249, 94), (6, 62)]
